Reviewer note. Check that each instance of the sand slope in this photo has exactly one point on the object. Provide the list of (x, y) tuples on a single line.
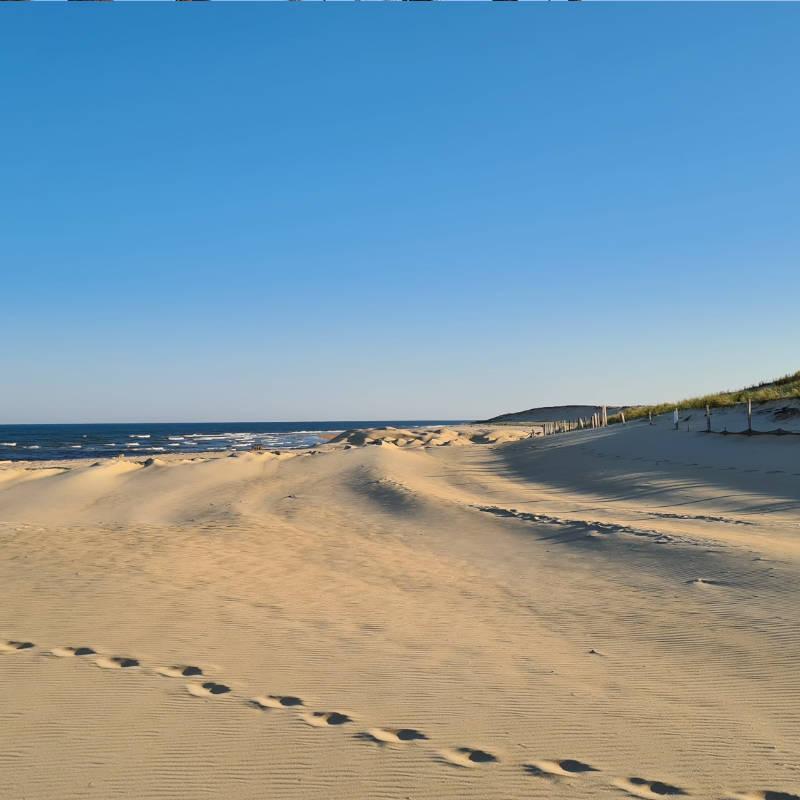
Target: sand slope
[(595, 614), (552, 414)]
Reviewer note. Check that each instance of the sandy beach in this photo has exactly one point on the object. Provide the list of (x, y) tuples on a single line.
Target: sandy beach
[(465, 613)]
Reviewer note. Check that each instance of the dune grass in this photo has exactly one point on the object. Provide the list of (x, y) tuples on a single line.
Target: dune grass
[(787, 386)]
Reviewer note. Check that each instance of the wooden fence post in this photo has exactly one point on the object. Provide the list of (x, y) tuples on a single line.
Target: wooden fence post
[(708, 418)]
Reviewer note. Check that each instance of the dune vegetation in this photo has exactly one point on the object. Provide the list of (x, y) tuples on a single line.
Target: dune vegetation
[(787, 386)]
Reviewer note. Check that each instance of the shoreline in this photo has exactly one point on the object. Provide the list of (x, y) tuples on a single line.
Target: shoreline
[(93, 441)]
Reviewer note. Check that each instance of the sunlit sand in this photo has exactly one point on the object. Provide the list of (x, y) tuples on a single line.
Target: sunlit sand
[(458, 613)]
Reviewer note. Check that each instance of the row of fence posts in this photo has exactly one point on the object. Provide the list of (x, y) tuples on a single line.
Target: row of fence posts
[(561, 426), (749, 417), (598, 420), (708, 417)]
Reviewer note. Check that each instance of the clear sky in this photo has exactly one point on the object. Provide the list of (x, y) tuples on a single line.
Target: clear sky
[(289, 212)]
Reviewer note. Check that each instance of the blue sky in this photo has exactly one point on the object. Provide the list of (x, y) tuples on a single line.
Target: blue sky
[(287, 211)]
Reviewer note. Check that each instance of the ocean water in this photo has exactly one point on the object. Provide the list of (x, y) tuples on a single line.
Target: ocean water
[(44, 442)]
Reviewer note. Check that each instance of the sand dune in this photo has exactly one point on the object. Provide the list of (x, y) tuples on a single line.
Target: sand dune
[(450, 613), (552, 414), (459, 436)]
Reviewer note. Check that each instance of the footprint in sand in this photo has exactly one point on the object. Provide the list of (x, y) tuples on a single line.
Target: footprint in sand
[(651, 790), (391, 735), (207, 689), (321, 719), (767, 794), (564, 768), (468, 757), (180, 671), (69, 652), (275, 701), (13, 646), (116, 662)]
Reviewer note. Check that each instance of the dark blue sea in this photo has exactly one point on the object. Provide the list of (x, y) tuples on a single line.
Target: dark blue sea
[(44, 442)]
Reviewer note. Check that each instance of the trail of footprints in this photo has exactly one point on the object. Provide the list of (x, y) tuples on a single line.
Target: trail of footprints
[(555, 770)]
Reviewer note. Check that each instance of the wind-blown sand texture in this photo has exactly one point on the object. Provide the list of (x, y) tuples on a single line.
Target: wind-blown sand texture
[(454, 615)]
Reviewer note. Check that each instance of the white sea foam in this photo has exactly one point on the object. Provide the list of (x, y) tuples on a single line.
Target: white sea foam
[(8, 444), (76, 446), (138, 435)]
